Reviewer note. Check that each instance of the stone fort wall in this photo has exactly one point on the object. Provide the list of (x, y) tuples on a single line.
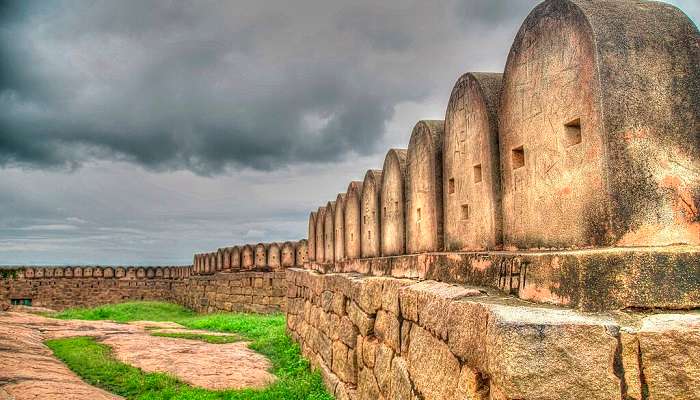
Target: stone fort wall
[(541, 242), (66, 287)]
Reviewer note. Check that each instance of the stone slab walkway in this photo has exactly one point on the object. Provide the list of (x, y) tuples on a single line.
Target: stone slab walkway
[(28, 369)]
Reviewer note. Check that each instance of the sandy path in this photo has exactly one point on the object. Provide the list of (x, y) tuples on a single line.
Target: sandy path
[(28, 369)]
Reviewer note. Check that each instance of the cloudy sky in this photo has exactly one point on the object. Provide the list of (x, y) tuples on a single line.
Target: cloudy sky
[(137, 132)]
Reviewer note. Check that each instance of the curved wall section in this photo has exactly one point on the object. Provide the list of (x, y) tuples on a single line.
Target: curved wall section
[(471, 165), (370, 214), (424, 223), (392, 203), (353, 227), (339, 225)]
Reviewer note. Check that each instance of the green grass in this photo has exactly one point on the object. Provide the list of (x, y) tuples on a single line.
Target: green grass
[(95, 364), (214, 339), (131, 311)]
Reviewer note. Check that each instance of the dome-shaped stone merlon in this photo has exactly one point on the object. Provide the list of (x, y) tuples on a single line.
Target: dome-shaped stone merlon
[(274, 256), (424, 223), (302, 253), (471, 164), (235, 258), (339, 226), (353, 226), (260, 255), (320, 234), (599, 126), (247, 257), (329, 233), (370, 214), (312, 236), (288, 254), (392, 203)]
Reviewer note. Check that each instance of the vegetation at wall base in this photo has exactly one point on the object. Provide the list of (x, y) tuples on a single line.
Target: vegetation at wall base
[(94, 362)]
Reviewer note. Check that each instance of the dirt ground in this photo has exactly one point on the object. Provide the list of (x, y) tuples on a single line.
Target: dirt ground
[(28, 369)]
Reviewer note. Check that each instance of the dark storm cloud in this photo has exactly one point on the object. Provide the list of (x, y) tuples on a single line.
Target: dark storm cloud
[(209, 85)]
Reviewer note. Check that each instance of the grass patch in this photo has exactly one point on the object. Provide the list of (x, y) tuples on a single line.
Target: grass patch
[(94, 362), (202, 337), (126, 312)]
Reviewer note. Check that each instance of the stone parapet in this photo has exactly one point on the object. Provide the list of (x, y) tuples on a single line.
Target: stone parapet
[(248, 291), (392, 338), (591, 280), (66, 287), (86, 286)]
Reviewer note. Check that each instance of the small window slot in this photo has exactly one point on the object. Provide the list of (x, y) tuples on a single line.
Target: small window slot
[(518, 157), (418, 216), (465, 211), (477, 173), (451, 185), (572, 133)]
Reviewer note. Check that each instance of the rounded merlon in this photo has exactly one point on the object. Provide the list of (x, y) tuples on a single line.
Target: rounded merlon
[(599, 127), (353, 227), (339, 225), (393, 203), (471, 164), (423, 214), (370, 214)]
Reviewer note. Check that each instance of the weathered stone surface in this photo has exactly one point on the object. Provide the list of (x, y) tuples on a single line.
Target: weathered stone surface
[(472, 385), (465, 344), (370, 214), (387, 327), (670, 349), (363, 321), (344, 364), (589, 280), (424, 215), (471, 161), (367, 387), (613, 109), (382, 368), (393, 230), (401, 387), (575, 354), (434, 370)]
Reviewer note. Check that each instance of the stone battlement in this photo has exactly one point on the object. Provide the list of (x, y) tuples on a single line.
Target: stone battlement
[(65, 287)]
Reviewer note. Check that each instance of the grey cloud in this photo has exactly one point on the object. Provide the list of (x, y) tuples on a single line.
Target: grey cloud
[(217, 85)]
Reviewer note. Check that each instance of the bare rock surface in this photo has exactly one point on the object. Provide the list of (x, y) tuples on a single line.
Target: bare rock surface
[(30, 371)]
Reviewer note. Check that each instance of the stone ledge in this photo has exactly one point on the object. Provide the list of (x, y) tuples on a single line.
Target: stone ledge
[(591, 280), (456, 341)]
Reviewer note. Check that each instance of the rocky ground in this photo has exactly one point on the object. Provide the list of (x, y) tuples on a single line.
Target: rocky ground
[(30, 371)]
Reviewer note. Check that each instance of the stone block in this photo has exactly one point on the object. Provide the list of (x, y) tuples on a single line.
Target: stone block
[(670, 356), (382, 368), (401, 386), (433, 369), (367, 387), (387, 328), (344, 363), (574, 353), (363, 321)]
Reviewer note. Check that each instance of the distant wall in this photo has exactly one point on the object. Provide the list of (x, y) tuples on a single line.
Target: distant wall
[(247, 291), (65, 287)]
